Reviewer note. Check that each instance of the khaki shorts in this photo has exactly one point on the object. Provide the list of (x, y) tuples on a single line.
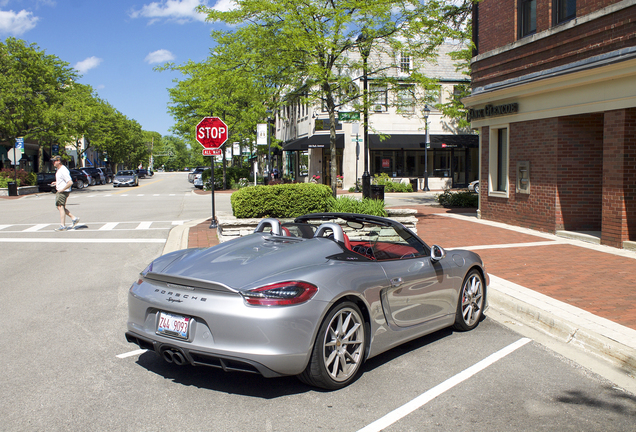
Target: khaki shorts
[(60, 199)]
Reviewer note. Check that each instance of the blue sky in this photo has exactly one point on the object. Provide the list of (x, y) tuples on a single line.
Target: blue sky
[(116, 44)]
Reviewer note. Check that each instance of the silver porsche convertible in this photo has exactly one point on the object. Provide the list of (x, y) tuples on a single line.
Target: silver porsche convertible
[(315, 297)]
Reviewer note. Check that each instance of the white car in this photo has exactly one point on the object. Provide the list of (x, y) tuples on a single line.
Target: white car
[(474, 186)]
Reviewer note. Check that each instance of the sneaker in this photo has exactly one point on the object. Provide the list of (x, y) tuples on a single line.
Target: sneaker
[(75, 221), (61, 228)]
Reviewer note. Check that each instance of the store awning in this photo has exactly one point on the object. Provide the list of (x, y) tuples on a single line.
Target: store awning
[(315, 141), (417, 141)]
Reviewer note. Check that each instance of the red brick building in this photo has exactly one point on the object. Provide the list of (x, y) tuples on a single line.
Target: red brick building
[(554, 99)]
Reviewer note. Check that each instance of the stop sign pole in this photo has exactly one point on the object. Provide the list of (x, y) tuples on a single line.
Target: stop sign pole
[(211, 133)]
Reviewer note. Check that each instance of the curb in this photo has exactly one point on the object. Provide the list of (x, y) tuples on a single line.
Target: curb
[(178, 236), (603, 338)]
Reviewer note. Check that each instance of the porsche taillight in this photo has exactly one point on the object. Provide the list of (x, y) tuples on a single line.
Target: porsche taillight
[(281, 294)]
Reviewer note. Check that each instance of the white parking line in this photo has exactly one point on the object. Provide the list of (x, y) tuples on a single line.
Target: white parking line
[(109, 226), (4, 226), (131, 353), (78, 240), (144, 225), (173, 223), (428, 396), (36, 228)]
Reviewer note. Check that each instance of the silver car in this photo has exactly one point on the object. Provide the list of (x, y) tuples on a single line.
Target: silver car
[(126, 178), (313, 298)]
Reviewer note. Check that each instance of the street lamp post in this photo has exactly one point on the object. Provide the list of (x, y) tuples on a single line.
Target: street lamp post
[(427, 143), (269, 145), (365, 50)]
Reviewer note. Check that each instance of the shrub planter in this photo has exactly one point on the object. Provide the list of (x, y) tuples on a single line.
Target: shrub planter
[(231, 227), (23, 190)]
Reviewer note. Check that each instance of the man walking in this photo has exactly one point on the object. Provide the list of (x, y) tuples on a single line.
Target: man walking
[(63, 183)]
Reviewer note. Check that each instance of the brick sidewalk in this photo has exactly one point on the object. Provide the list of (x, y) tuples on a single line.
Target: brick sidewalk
[(598, 282)]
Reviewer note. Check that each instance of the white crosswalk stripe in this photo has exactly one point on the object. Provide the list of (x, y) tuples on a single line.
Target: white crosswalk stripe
[(36, 228), (88, 226)]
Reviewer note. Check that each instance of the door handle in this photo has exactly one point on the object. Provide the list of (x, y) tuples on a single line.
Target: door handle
[(396, 281)]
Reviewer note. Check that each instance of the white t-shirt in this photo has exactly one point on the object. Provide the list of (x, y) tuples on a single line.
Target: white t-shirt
[(62, 177)]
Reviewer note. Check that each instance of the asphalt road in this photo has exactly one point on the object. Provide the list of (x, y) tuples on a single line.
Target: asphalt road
[(66, 364)]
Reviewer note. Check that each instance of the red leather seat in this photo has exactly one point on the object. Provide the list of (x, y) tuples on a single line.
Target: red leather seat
[(347, 242)]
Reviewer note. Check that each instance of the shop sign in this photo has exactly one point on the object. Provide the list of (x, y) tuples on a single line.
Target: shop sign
[(386, 163), (349, 116), (492, 111)]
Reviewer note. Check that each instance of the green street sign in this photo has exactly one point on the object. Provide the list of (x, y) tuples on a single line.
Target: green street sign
[(348, 116)]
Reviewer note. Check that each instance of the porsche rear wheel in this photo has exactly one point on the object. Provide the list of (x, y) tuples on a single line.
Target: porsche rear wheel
[(339, 349), (470, 306)]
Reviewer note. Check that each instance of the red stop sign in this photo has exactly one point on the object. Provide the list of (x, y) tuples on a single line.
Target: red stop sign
[(211, 132)]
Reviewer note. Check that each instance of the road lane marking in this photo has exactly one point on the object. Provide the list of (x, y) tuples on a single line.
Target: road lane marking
[(173, 223), (78, 240), (144, 225), (109, 226), (131, 353), (4, 226), (36, 228), (428, 396)]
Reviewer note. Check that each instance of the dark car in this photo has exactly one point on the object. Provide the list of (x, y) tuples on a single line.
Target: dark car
[(96, 174), (141, 172), (45, 180), (108, 174), (80, 179)]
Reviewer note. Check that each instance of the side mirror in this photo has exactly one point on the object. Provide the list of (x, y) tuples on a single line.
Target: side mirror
[(437, 253)]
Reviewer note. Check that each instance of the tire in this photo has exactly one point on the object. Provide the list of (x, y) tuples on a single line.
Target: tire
[(80, 184), (335, 345), (476, 189), (470, 304)]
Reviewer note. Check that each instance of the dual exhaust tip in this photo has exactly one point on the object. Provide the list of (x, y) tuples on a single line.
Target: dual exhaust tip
[(173, 355)]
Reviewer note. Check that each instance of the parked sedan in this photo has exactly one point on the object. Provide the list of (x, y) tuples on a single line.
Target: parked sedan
[(313, 298), (81, 180), (191, 174), (96, 174), (126, 178), (44, 181)]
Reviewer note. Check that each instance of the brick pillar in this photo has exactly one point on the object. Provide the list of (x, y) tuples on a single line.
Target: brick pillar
[(619, 177)]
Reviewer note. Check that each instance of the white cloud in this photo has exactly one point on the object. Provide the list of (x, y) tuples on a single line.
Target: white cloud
[(181, 11), (87, 64), (159, 56), (17, 23)]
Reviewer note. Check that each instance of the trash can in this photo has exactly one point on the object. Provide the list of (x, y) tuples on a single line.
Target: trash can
[(13, 188), (377, 192), (414, 184)]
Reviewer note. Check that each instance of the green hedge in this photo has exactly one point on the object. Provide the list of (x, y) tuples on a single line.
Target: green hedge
[(283, 200), (458, 199), (345, 204)]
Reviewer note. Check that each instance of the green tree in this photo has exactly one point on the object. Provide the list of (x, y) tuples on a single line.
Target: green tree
[(319, 43), (33, 86)]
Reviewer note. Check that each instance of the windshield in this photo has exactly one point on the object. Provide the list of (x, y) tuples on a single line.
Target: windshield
[(125, 173)]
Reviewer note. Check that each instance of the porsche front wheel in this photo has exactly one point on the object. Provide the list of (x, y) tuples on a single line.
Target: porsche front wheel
[(339, 349), (470, 305)]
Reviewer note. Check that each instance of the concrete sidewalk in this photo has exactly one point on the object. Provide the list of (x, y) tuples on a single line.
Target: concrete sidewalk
[(576, 292)]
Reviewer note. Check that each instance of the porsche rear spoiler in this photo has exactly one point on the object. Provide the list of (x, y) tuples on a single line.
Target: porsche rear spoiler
[(186, 282)]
